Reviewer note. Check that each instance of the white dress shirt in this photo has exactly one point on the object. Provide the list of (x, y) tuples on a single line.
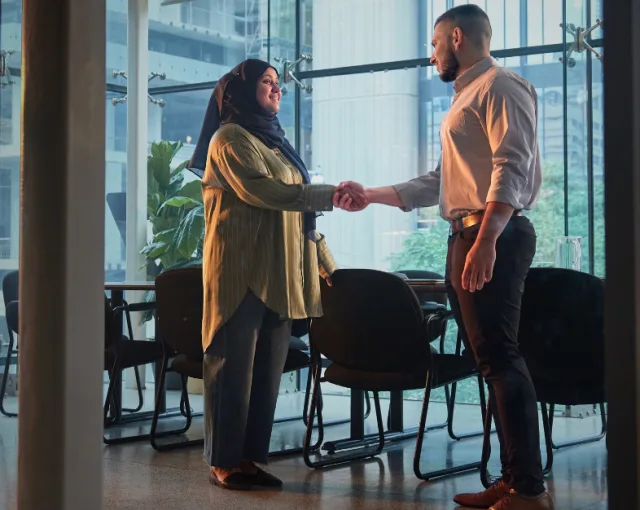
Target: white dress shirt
[(489, 147)]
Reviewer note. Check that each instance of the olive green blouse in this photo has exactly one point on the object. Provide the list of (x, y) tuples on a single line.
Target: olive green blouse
[(254, 201)]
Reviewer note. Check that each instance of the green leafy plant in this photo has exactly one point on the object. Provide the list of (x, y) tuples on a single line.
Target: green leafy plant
[(175, 211)]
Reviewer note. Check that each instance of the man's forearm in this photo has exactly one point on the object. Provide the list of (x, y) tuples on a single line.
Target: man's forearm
[(386, 195), (496, 217)]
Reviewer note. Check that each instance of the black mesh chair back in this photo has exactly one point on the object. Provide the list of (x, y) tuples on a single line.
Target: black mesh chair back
[(371, 321), (11, 312), (10, 287), (420, 274), (10, 297), (561, 338), (562, 328), (179, 302)]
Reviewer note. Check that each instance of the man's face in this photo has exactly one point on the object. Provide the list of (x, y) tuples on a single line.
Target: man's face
[(443, 57)]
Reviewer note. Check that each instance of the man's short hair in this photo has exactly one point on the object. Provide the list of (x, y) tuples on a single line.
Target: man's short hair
[(472, 20)]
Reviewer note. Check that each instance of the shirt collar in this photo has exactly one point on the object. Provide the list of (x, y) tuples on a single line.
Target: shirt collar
[(478, 69)]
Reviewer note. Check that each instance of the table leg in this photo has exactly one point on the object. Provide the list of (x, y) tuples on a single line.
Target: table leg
[(357, 415), (396, 412), (117, 299), (162, 402)]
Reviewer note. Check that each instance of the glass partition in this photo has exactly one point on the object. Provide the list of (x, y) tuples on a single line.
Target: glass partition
[(358, 123), (10, 118)]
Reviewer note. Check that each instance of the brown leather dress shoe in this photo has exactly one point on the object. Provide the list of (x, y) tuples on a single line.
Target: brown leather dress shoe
[(514, 501), (236, 481), (264, 479), (486, 498)]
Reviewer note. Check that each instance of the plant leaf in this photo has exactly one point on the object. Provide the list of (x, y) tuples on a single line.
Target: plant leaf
[(155, 250), (180, 202), (192, 189), (189, 232), (165, 236), (179, 168)]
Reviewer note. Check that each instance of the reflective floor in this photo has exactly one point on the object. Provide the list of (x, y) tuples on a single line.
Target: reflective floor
[(137, 477)]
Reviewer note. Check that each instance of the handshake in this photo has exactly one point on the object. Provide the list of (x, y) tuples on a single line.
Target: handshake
[(351, 196)]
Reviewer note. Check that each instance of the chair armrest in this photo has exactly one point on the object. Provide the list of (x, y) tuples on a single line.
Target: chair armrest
[(140, 307), (440, 317), (134, 307)]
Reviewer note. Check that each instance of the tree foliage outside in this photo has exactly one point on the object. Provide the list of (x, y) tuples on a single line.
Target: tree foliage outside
[(427, 249)]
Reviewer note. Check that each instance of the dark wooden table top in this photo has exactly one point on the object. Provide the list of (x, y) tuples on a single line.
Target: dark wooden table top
[(427, 286), (416, 285), (139, 285)]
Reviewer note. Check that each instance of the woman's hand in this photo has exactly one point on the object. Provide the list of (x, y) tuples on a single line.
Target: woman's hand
[(350, 196)]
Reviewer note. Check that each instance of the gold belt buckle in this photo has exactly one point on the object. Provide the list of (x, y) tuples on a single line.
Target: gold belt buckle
[(470, 220)]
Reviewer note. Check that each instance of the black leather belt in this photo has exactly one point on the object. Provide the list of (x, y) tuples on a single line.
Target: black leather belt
[(459, 224)]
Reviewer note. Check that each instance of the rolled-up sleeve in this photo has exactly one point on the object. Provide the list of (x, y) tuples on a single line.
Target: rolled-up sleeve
[(326, 263), (240, 168), (511, 125), (423, 191)]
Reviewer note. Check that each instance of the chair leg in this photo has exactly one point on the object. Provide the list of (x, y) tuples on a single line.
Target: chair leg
[(184, 406), (320, 426), (419, 440), (546, 426), (586, 440), (140, 395), (359, 453), (340, 421), (5, 378), (109, 402), (483, 407), (114, 374)]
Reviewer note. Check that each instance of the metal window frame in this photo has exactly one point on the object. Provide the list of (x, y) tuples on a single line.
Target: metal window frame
[(423, 61)]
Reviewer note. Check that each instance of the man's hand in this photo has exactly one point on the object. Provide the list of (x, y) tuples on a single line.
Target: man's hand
[(478, 268), (357, 197), (350, 196)]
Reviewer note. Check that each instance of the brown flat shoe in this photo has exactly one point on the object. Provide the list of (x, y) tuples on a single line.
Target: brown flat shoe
[(486, 498), (264, 479), (237, 481), (513, 501)]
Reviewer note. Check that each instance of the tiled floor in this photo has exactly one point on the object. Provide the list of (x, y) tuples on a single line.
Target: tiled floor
[(137, 477)]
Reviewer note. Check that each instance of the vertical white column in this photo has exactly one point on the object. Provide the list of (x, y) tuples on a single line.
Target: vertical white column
[(14, 90), (137, 142), (365, 126), (14, 148), (137, 111), (62, 256)]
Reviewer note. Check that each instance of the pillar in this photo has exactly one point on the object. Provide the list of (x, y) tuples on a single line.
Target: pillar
[(622, 223), (61, 256), (137, 151)]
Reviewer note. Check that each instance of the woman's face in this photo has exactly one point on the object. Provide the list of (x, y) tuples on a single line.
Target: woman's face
[(268, 93)]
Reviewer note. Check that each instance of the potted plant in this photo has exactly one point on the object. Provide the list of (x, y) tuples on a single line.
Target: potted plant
[(175, 211)]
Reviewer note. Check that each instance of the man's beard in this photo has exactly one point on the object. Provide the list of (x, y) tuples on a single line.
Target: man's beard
[(449, 68)]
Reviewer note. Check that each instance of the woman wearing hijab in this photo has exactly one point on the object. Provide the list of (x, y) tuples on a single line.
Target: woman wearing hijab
[(262, 257)]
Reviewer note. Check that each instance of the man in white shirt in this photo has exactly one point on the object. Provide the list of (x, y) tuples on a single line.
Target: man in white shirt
[(488, 173)]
